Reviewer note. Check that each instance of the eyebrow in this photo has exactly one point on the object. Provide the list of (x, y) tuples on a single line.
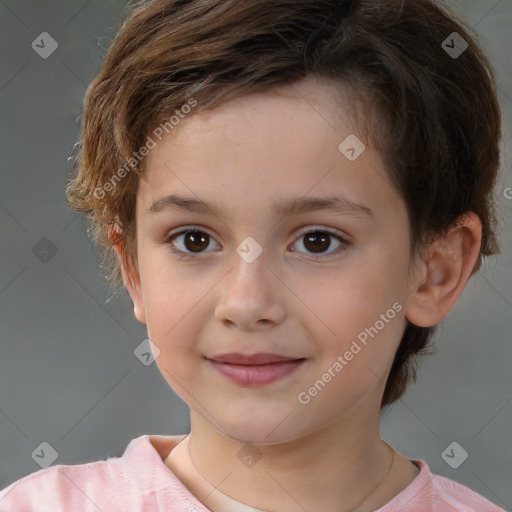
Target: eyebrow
[(291, 206)]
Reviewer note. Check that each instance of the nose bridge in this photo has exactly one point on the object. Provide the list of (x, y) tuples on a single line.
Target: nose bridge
[(250, 262), (250, 294)]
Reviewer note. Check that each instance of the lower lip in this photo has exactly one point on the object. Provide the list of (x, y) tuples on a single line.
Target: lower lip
[(256, 375)]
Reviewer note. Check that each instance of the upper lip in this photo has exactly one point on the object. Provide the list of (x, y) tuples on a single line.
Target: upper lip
[(252, 359)]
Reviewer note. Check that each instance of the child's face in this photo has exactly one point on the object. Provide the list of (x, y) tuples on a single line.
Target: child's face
[(245, 157)]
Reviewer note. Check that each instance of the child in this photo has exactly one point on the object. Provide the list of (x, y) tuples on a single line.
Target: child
[(294, 194)]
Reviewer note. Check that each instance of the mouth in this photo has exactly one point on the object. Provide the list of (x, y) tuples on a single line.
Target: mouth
[(255, 369)]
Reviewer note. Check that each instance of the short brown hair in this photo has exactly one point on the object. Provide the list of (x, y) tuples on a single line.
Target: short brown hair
[(438, 122)]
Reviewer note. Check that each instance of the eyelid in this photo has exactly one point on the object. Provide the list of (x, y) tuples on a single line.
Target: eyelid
[(191, 227), (314, 227), (306, 229)]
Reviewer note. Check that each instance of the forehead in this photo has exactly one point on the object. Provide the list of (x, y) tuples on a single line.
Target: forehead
[(270, 145), (286, 113)]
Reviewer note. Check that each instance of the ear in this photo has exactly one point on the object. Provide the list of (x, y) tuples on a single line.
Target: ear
[(131, 277), (441, 276)]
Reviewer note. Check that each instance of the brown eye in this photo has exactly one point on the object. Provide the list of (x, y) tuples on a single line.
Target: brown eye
[(189, 241), (196, 240), (319, 241)]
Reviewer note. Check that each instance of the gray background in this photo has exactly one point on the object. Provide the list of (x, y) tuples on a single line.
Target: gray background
[(68, 374)]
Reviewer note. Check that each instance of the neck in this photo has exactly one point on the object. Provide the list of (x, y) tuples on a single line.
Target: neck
[(338, 469)]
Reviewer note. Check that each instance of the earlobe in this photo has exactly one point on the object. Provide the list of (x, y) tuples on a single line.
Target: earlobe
[(442, 276), (131, 281), (131, 278)]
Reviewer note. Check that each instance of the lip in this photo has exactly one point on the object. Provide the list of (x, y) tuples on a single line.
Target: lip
[(252, 359), (255, 369)]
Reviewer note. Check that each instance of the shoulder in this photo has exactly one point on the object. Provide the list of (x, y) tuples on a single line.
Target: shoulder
[(138, 480), (54, 487), (434, 492), (66, 487), (460, 497)]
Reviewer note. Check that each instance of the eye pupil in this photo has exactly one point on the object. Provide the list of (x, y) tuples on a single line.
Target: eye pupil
[(318, 239), (198, 240)]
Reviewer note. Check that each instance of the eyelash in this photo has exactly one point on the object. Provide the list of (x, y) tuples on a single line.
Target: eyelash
[(189, 256)]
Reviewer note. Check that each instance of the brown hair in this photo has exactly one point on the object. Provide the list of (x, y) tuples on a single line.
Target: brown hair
[(438, 118)]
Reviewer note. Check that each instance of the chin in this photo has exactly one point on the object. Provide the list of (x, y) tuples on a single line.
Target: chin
[(269, 430)]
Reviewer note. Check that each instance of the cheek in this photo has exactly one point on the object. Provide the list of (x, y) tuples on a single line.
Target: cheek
[(358, 303), (174, 323), (355, 294), (172, 299)]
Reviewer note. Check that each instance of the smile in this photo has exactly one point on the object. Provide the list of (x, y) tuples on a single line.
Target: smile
[(252, 374)]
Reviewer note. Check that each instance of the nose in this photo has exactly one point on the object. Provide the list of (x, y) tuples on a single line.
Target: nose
[(251, 297)]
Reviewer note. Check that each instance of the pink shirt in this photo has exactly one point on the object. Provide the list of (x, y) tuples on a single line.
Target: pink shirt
[(139, 481)]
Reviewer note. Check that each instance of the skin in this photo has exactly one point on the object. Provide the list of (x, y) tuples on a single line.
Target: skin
[(244, 156)]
